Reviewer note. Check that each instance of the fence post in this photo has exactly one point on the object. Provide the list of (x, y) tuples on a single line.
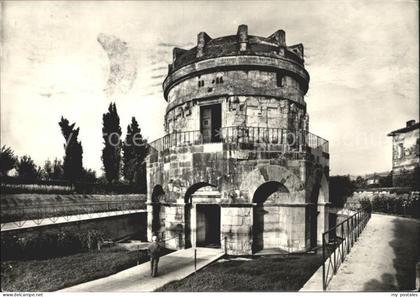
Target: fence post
[(195, 260), (348, 237), (335, 248), (323, 263), (225, 245), (342, 243)]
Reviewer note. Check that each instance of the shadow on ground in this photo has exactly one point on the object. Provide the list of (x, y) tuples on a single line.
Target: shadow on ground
[(405, 245)]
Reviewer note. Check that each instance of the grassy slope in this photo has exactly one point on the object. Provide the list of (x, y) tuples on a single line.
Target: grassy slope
[(270, 273), (57, 273)]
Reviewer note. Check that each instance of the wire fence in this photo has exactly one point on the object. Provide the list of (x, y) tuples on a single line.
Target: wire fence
[(17, 185), (338, 241), (51, 211)]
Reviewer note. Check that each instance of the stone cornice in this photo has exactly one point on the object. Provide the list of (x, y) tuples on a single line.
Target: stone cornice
[(236, 62)]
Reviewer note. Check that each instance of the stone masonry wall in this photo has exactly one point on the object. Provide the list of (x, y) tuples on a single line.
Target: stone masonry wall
[(236, 230)]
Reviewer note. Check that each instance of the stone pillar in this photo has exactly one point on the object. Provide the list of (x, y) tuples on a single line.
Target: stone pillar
[(236, 229), (193, 225), (243, 37), (279, 37), (174, 226), (322, 221), (149, 208), (202, 39), (293, 228)]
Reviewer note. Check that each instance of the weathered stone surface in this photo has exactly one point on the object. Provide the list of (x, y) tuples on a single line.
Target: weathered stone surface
[(263, 184)]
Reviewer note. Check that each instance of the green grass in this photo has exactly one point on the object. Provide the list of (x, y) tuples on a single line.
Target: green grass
[(265, 273), (57, 273)]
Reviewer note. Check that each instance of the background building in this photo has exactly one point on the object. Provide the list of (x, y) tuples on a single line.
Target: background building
[(406, 155), (238, 168)]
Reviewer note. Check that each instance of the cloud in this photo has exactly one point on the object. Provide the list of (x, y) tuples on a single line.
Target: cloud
[(48, 95), (157, 76), (122, 65)]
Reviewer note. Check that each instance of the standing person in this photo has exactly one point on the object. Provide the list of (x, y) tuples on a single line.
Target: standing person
[(154, 252)]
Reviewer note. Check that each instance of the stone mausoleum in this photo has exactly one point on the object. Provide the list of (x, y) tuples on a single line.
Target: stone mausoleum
[(238, 168)]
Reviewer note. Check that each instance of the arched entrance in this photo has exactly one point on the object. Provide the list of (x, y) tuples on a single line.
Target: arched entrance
[(266, 215), (205, 220), (157, 196), (318, 215)]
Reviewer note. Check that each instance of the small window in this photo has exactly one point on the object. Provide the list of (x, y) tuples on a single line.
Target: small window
[(400, 151), (279, 77)]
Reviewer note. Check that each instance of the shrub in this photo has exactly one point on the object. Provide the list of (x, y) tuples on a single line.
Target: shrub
[(407, 204), (48, 244), (341, 188)]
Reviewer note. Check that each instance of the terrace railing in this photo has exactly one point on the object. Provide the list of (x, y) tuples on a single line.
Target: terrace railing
[(16, 185), (258, 137), (37, 212), (338, 241)]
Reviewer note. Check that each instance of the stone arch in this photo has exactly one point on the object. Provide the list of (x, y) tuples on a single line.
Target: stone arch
[(157, 196), (318, 217), (265, 190), (270, 173), (266, 215), (324, 190), (193, 188), (187, 209)]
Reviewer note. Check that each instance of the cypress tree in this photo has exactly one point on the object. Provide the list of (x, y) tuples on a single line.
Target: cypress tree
[(111, 153)]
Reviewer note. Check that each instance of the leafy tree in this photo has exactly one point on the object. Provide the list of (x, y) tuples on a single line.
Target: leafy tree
[(57, 170), (52, 170), (40, 172), (7, 160), (134, 154), (360, 182), (111, 153), (341, 188), (73, 162), (89, 176), (48, 169), (385, 181), (26, 168)]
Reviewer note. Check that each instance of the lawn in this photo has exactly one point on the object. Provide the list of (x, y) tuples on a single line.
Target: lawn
[(57, 273), (265, 273)]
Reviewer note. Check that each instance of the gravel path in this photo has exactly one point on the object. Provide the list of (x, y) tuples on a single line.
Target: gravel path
[(383, 259)]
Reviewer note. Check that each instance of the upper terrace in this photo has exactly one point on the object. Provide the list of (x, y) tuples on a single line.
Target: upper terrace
[(283, 142)]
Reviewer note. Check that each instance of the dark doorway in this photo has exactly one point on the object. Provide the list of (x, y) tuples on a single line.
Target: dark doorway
[(313, 216), (157, 195), (211, 122), (208, 225), (258, 229), (313, 225)]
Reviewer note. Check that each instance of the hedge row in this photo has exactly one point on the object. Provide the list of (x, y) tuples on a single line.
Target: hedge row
[(48, 245), (396, 204)]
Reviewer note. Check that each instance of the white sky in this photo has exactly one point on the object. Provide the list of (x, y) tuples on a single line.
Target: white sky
[(362, 57)]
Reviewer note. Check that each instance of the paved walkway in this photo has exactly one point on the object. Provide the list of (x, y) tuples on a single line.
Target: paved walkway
[(31, 223), (383, 259), (174, 266)]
